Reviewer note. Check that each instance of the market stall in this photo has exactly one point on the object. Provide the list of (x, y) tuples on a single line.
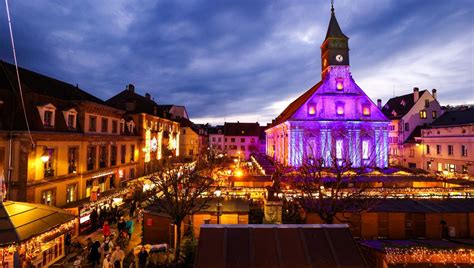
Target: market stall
[(33, 234), (84, 208)]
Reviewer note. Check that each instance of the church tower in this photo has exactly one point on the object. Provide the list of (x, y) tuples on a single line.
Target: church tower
[(335, 48)]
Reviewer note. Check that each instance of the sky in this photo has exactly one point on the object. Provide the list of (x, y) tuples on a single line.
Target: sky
[(243, 60)]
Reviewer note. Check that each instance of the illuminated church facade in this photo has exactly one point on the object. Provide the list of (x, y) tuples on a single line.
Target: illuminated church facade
[(332, 121)]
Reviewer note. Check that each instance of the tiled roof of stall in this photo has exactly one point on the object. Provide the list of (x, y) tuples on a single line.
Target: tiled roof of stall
[(277, 245)]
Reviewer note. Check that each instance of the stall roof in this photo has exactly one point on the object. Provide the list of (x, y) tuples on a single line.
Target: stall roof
[(277, 245), (424, 205), (22, 221)]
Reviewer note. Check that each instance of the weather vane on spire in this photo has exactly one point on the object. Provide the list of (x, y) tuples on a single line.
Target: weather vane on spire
[(332, 7)]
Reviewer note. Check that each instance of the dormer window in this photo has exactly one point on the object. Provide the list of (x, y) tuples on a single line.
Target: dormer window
[(339, 84), (47, 114), (311, 109), (48, 119), (403, 103), (340, 108), (70, 116), (394, 113), (71, 121), (366, 110)]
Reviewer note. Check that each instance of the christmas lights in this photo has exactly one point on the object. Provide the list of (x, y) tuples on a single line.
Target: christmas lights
[(428, 255)]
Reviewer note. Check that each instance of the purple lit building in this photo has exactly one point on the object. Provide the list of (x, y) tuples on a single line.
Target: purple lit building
[(334, 119)]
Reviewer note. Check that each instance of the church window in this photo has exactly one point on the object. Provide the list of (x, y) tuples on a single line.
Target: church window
[(340, 109), (433, 114), (365, 149), (366, 110), (311, 109), (339, 84), (339, 149)]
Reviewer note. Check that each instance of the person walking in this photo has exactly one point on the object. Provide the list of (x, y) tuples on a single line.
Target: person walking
[(117, 257), (95, 253), (142, 258), (129, 228), (94, 219), (107, 263), (106, 229), (133, 206), (121, 225)]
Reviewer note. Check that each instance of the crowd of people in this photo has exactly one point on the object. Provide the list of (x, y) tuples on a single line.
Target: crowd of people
[(110, 253)]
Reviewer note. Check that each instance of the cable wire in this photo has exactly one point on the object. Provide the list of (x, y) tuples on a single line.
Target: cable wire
[(18, 73)]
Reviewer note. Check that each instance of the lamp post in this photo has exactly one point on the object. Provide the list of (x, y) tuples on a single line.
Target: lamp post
[(218, 193)]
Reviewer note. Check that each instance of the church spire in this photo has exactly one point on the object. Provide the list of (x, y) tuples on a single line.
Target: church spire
[(333, 29), (335, 48)]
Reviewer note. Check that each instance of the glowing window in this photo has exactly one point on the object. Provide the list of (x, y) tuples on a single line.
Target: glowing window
[(366, 110), (339, 149), (365, 149), (340, 109), (423, 114), (311, 109), (339, 84)]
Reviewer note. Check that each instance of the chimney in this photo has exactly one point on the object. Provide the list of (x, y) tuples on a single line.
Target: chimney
[(131, 88), (433, 92), (379, 104), (416, 94), (148, 96)]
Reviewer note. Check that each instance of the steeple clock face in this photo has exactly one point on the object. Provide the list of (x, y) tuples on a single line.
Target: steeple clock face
[(339, 58)]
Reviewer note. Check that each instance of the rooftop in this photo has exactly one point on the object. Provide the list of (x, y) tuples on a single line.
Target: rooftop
[(277, 245)]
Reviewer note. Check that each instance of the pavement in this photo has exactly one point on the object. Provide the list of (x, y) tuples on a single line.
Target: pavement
[(135, 240)]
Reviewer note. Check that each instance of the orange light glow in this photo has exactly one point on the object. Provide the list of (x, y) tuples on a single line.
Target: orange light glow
[(339, 86), (340, 110), (312, 110), (366, 111), (238, 173)]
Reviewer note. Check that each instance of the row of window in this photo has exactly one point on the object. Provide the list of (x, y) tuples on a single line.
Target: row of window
[(447, 167), (214, 139), (450, 149), (104, 126), (73, 158), (48, 196), (339, 109)]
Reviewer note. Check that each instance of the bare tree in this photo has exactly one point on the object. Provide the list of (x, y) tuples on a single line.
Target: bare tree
[(184, 189)]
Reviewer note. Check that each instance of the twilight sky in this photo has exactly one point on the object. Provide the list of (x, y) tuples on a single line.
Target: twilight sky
[(245, 59)]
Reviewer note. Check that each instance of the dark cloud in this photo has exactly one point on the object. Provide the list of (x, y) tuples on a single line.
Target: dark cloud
[(243, 59)]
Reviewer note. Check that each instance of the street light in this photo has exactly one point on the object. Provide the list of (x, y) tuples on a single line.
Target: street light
[(218, 193), (45, 156)]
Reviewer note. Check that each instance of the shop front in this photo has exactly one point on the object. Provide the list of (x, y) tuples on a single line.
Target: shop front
[(34, 234), (86, 208)]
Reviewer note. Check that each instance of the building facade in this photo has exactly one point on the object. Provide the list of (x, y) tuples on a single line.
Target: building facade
[(236, 139), (334, 119), (447, 146), (77, 145), (159, 135), (408, 114)]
